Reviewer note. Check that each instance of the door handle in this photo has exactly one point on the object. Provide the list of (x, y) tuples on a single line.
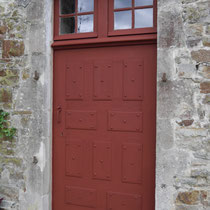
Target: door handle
[(59, 110)]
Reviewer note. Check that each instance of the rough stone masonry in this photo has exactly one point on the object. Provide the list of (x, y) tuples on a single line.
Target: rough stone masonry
[(25, 92), (183, 99)]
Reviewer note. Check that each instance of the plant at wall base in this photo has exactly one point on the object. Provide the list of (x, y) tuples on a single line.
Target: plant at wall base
[(5, 130)]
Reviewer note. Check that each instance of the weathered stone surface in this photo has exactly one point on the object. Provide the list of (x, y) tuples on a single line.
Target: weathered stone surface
[(25, 74), (195, 30), (170, 29), (191, 132), (185, 207), (208, 30), (9, 192), (12, 48), (206, 41), (206, 99), (188, 1), (35, 6), (9, 78), (166, 137), (201, 55), (27, 101), (196, 13), (183, 102), (189, 198), (202, 154), (23, 3), (5, 95), (3, 29), (169, 96), (200, 173), (193, 41), (185, 70), (191, 14), (186, 122), (206, 72), (205, 87), (194, 34)]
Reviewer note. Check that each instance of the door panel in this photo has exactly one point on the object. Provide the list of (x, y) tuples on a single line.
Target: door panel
[(104, 140)]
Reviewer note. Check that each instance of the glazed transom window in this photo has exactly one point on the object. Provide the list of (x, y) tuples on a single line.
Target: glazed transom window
[(76, 16), (75, 19), (130, 14)]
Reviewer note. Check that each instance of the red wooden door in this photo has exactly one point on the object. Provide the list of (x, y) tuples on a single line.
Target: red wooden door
[(104, 128)]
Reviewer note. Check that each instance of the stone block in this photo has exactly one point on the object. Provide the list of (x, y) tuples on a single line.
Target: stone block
[(208, 30), (3, 29), (170, 29), (5, 95), (206, 72), (2, 73), (196, 13), (201, 55), (35, 10), (9, 192), (194, 33), (8, 77), (25, 74), (188, 1), (189, 198), (24, 3), (11, 161), (202, 154), (206, 100), (185, 207), (195, 29), (166, 139), (205, 87), (200, 173), (171, 94), (206, 41), (12, 48), (35, 43), (165, 62), (191, 14), (186, 122), (185, 70), (191, 132), (193, 41)]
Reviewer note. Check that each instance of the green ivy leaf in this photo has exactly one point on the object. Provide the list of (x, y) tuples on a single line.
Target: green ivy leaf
[(5, 130)]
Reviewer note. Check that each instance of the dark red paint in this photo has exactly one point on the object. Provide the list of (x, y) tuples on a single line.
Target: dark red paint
[(104, 118), (104, 142)]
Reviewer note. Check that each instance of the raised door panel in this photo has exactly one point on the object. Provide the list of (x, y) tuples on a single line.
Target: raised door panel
[(103, 80)]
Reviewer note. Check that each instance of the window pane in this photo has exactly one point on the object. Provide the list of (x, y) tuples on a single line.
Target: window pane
[(143, 18), (85, 23), (122, 3), (67, 25), (143, 2), (85, 5), (67, 7), (123, 20)]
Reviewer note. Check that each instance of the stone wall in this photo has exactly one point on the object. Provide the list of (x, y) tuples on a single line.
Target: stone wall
[(25, 92), (183, 99)]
